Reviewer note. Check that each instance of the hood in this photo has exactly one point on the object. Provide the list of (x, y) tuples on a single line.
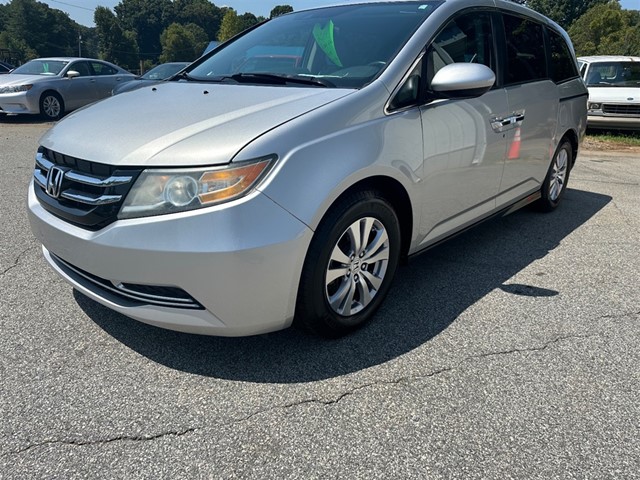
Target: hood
[(19, 79), (614, 94), (181, 124)]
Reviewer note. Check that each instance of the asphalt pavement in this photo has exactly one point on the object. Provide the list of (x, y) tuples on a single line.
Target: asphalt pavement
[(512, 351)]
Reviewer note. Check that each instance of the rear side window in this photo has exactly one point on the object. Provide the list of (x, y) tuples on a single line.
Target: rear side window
[(526, 60), (102, 69), (561, 61)]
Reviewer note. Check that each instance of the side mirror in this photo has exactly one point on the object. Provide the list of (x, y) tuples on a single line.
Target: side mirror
[(407, 94), (463, 80), (73, 74)]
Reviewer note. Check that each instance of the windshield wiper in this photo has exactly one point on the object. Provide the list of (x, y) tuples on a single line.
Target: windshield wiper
[(280, 79), (184, 76)]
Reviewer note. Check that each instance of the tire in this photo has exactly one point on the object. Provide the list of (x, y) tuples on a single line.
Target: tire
[(51, 106), (346, 274), (555, 183)]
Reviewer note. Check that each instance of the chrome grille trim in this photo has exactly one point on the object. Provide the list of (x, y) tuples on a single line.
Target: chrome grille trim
[(121, 291), (90, 199), (180, 301), (84, 178), (43, 165)]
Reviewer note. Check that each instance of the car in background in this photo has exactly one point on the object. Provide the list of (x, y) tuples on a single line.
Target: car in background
[(53, 86), (152, 77), (614, 91), (5, 68)]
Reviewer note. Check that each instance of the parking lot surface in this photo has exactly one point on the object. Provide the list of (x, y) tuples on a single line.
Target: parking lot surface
[(511, 351)]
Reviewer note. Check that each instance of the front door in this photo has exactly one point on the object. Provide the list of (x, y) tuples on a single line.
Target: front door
[(464, 152)]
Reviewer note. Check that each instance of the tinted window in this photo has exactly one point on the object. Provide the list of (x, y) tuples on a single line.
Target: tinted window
[(526, 60), (466, 39), (103, 69), (82, 68), (561, 61)]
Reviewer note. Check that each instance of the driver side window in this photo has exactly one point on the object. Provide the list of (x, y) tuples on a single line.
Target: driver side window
[(466, 39)]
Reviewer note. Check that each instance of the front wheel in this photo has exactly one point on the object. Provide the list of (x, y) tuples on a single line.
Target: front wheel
[(51, 106), (555, 183), (349, 266)]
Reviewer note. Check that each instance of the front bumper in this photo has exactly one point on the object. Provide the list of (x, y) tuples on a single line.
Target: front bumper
[(20, 102), (241, 261), (622, 123)]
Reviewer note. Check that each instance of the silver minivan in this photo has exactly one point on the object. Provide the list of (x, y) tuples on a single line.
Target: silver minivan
[(284, 176)]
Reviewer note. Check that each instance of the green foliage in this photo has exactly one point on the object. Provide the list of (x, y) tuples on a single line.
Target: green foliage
[(116, 45), (32, 29), (563, 12), (230, 25), (148, 19), (280, 10), (182, 42), (607, 30), (247, 20), (200, 12)]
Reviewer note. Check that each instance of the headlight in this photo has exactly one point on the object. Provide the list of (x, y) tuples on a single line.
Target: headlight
[(594, 106), (160, 191), (15, 89)]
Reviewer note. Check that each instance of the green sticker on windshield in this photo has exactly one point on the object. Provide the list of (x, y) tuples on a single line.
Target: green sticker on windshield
[(324, 38)]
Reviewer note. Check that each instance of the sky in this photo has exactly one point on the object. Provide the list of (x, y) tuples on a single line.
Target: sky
[(82, 10)]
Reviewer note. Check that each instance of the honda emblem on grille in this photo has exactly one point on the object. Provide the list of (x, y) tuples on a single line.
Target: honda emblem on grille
[(54, 181)]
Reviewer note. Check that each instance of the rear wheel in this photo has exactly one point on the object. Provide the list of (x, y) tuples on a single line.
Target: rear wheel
[(349, 266), (555, 183), (51, 106)]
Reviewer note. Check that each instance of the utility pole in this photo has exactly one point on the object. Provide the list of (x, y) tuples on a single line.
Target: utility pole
[(79, 44)]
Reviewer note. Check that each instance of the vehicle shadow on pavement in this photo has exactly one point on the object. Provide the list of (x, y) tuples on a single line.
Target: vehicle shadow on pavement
[(427, 296), (23, 120)]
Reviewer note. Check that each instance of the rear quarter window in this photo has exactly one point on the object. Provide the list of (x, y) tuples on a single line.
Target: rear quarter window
[(561, 64)]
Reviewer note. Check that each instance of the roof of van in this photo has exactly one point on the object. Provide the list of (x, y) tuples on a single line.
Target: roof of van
[(609, 58)]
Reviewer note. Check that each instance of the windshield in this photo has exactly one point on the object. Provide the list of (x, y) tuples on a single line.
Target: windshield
[(345, 46), (41, 67), (163, 71), (614, 74)]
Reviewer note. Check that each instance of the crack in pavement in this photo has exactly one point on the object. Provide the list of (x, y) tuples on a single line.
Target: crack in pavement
[(407, 379), (626, 219), (81, 443), (309, 401), (17, 260), (621, 315)]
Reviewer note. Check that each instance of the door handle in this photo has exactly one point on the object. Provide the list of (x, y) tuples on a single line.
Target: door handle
[(500, 124)]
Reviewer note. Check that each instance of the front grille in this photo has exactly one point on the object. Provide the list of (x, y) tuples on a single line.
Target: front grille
[(87, 194), (162, 296), (626, 109)]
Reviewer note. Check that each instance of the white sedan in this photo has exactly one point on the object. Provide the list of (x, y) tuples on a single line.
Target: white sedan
[(53, 86)]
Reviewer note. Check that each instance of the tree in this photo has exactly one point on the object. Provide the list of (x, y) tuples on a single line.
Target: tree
[(247, 20), (230, 25), (607, 29), (115, 45), (200, 12), (32, 29), (148, 19), (563, 12), (280, 10), (182, 42)]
